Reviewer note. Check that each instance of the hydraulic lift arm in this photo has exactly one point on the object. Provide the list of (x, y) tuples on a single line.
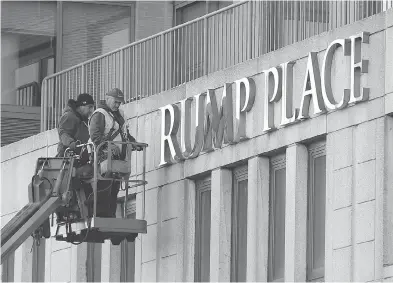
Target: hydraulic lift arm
[(45, 199), (32, 216)]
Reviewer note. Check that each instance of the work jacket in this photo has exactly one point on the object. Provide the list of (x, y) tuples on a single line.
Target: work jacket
[(108, 125), (71, 128)]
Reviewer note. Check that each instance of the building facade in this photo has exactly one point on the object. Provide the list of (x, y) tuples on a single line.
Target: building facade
[(275, 168)]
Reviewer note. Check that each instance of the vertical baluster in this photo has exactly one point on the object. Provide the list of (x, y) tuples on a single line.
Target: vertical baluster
[(197, 49), (213, 44), (42, 113), (93, 71), (226, 27), (83, 85), (150, 73), (162, 62), (139, 71), (154, 70), (232, 33), (176, 57), (205, 47), (145, 70), (193, 40), (121, 67), (133, 75), (188, 53), (129, 73), (236, 35), (25, 100), (29, 96), (280, 31), (269, 22), (106, 63)]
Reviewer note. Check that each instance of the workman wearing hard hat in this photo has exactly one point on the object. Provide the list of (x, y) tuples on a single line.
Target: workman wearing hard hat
[(72, 127), (108, 123)]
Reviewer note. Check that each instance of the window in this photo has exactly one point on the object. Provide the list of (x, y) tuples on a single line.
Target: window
[(202, 230), (188, 41), (7, 269), (28, 49), (276, 257), (189, 10), (239, 225), (316, 212), (89, 29)]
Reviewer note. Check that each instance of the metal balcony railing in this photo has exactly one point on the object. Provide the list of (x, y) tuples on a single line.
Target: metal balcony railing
[(216, 41), (28, 94)]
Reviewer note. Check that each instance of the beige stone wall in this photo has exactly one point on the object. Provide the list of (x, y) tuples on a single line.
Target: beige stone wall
[(359, 169)]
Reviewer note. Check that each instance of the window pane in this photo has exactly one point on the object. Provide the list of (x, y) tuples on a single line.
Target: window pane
[(319, 212), (242, 232), (190, 12), (279, 224), (91, 29), (205, 236), (223, 4)]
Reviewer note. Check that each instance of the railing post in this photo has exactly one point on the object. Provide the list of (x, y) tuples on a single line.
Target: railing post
[(83, 85), (249, 25), (43, 106), (205, 65), (122, 70), (162, 62)]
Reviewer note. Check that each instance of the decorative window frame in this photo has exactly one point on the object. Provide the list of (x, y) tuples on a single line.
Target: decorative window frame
[(276, 163), (315, 150), (239, 174), (201, 186)]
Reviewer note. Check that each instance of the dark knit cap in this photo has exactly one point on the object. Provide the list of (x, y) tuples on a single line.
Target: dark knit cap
[(84, 99)]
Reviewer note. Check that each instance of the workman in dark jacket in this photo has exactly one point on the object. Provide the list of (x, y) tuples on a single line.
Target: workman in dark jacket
[(73, 127), (73, 130)]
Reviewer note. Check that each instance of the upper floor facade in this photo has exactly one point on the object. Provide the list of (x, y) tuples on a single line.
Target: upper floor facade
[(40, 38), (52, 51)]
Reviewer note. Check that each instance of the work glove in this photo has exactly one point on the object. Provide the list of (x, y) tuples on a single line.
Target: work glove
[(72, 146), (137, 148)]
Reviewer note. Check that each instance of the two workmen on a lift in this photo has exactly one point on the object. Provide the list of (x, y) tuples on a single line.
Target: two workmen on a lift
[(79, 124)]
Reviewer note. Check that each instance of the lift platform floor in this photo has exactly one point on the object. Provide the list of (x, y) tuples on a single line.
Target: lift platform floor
[(101, 229)]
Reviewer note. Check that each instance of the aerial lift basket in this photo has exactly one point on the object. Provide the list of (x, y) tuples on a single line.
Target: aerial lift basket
[(98, 229), (52, 191)]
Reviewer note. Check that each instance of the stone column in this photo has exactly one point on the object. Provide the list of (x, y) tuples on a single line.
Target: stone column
[(296, 213), (220, 237), (258, 219), (189, 231)]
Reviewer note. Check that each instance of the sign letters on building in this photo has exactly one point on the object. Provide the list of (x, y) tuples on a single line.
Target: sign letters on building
[(225, 123)]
